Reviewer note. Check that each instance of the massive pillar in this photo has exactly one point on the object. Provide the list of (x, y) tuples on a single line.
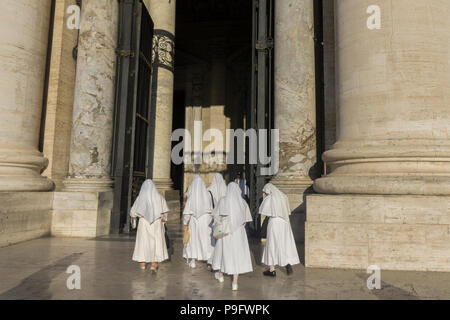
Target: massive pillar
[(295, 97), (393, 91), (58, 121), (24, 30), (93, 110), (329, 75), (84, 208), (391, 163), (23, 50), (163, 15)]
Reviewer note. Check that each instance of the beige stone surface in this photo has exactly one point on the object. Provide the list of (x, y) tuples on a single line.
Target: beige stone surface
[(393, 88), (24, 216), (163, 16), (295, 105), (81, 214), (23, 50), (394, 232), (329, 73), (58, 122), (92, 127)]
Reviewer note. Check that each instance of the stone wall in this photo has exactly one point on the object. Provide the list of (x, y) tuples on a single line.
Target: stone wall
[(24, 216), (393, 232)]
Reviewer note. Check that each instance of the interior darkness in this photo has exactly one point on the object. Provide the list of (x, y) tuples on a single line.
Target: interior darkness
[(208, 31)]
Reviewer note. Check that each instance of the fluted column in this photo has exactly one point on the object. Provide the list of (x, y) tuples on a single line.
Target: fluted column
[(24, 27), (92, 129), (393, 94), (163, 15), (295, 96)]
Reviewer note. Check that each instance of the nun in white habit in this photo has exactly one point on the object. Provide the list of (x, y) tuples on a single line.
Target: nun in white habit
[(151, 207), (232, 252), (197, 219), (280, 246), (217, 190)]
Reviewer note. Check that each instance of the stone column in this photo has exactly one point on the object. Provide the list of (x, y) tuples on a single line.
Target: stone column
[(295, 97), (386, 200), (24, 29), (163, 15), (84, 207), (58, 121), (93, 111), (393, 92), (329, 74)]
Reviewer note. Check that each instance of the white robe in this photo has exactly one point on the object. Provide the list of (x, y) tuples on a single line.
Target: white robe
[(232, 252), (197, 215), (150, 242), (218, 190), (280, 248), (200, 246)]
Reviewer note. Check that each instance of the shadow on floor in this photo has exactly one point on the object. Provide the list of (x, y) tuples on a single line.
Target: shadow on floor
[(36, 286)]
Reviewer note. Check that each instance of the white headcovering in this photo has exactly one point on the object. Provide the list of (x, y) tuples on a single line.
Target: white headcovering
[(198, 200), (150, 204), (275, 204), (234, 206), (218, 188)]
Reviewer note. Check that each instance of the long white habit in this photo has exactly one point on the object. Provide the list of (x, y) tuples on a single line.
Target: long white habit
[(217, 190), (150, 206), (232, 252), (280, 246), (197, 215)]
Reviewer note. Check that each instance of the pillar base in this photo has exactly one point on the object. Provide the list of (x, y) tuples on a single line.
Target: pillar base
[(394, 232), (88, 184), (430, 185), (81, 214), (20, 171)]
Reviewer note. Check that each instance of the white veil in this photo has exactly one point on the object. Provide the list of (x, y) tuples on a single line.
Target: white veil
[(275, 204), (150, 204), (218, 188), (198, 199), (234, 206)]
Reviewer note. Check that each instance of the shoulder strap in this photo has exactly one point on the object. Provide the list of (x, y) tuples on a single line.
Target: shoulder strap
[(212, 199)]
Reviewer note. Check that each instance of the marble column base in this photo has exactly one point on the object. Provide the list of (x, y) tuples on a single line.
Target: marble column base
[(88, 184), (81, 214), (396, 184), (395, 232), (20, 171)]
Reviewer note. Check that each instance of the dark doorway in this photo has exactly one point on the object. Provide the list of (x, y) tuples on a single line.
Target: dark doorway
[(131, 151), (213, 67)]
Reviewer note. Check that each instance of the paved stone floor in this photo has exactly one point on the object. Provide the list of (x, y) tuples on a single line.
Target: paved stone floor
[(37, 270)]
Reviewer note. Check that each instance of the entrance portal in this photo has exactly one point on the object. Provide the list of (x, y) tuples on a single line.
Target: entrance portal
[(223, 73)]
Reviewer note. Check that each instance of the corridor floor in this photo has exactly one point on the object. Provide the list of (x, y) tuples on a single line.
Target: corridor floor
[(37, 270)]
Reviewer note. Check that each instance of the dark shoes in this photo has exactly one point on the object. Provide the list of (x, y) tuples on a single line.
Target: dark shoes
[(270, 273), (289, 269)]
